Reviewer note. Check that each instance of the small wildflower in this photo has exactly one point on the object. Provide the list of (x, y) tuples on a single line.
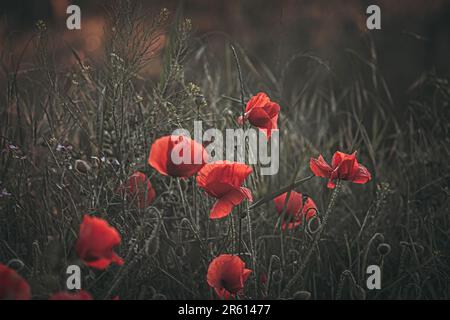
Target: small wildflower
[(4, 193)]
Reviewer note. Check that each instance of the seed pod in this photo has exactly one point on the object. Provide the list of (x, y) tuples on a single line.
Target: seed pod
[(82, 166), (384, 249)]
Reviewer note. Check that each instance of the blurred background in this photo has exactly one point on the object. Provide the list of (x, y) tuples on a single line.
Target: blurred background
[(414, 37), (89, 95)]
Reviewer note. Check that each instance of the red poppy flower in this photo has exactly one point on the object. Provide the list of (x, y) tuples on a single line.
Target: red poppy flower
[(138, 189), (262, 113), (227, 274), (295, 209), (177, 156), (223, 180), (65, 295), (96, 242), (12, 285), (343, 166)]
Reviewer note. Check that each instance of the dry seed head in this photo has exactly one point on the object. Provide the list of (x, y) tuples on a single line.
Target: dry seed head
[(163, 15), (41, 25), (186, 26), (193, 89)]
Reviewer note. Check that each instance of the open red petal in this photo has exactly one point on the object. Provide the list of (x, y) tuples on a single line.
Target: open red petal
[(96, 242), (221, 209), (362, 175), (257, 101), (12, 285), (216, 178), (319, 167), (165, 148), (225, 205), (246, 274), (293, 206), (159, 154)]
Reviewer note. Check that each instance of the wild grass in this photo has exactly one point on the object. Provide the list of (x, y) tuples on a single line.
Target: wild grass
[(107, 114)]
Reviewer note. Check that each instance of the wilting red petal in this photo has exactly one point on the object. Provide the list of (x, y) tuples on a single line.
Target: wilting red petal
[(167, 156), (12, 285), (227, 274), (293, 205), (320, 168), (362, 175), (295, 209), (96, 242), (225, 204), (345, 165), (246, 274), (309, 209), (138, 189), (65, 295)]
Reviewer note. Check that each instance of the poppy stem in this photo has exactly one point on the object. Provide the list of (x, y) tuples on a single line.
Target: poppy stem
[(233, 233), (241, 82), (238, 66), (330, 208)]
